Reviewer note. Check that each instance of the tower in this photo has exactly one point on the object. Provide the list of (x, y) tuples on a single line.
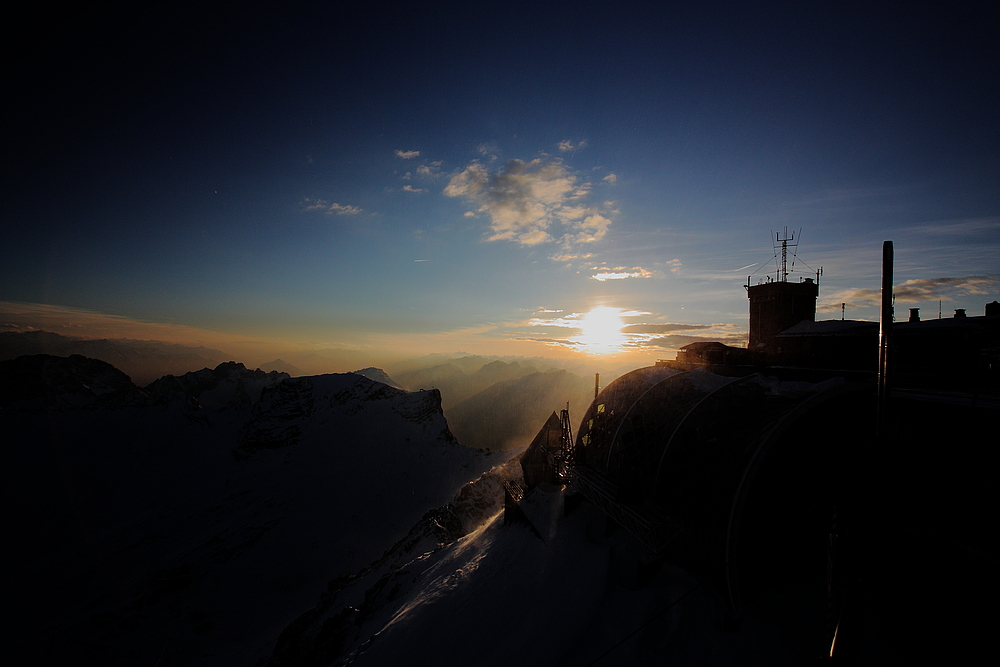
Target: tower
[(779, 304), (776, 306)]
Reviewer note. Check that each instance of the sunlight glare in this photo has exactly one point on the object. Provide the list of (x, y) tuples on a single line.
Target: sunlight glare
[(602, 331)]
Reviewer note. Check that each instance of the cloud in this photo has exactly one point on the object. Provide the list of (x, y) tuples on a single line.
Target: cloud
[(84, 323), (488, 150), (641, 338), (924, 289), (914, 291), (675, 342), (329, 208), (970, 226), (429, 170), (533, 202), (621, 273), (566, 145), (662, 328), (407, 155), (569, 257), (576, 320)]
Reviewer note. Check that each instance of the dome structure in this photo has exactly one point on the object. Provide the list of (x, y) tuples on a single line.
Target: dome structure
[(736, 476)]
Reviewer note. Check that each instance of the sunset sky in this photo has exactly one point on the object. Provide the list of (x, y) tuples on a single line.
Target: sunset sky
[(438, 177)]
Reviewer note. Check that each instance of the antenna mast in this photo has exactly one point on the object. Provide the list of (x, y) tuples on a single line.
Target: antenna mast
[(784, 241)]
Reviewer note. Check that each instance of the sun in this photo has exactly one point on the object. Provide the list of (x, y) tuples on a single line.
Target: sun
[(602, 331)]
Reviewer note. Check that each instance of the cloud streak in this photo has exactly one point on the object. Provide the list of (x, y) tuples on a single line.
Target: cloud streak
[(914, 291), (663, 328), (329, 208), (622, 273), (534, 202), (566, 145), (84, 323)]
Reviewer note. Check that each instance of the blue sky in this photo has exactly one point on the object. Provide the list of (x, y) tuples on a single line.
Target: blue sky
[(450, 177)]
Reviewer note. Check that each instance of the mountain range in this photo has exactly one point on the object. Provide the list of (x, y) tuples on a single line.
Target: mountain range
[(190, 521), (478, 419), (142, 360)]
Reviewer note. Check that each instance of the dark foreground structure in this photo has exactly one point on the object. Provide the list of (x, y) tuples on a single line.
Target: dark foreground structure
[(775, 472)]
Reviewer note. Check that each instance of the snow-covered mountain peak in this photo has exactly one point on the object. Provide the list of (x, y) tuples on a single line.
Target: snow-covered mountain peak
[(228, 384), (287, 410)]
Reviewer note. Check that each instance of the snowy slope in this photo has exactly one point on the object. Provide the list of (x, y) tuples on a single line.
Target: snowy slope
[(176, 533), (559, 592)]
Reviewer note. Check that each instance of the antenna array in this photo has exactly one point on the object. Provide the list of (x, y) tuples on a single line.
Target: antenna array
[(786, 242)]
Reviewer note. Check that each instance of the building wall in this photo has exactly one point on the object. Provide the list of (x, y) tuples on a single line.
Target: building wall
[(777, 306)]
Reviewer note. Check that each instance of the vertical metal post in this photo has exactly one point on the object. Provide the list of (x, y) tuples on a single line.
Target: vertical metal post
[(884, 338)]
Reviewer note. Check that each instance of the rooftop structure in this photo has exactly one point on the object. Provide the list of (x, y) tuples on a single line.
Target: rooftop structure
[(759, 468)]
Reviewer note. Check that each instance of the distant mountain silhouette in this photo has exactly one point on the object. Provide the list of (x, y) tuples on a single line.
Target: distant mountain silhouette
[(228, 384), (509, 413), (282, 366), (378, 375), (456, 384), (142, 360)]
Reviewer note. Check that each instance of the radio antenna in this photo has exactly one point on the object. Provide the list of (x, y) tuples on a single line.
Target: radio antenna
[(786, 243)]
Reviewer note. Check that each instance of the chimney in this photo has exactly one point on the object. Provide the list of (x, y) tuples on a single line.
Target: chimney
[(914, 315)]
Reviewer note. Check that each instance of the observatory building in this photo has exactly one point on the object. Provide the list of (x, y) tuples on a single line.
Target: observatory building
[(765, 468)]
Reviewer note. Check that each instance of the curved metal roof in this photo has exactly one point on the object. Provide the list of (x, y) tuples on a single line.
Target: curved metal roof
[(689, 444)]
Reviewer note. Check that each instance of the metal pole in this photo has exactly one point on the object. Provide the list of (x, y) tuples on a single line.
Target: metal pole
[(885, 338)]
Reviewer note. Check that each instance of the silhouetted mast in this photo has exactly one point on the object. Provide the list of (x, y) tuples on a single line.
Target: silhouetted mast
[(885, 338), (786, 242)]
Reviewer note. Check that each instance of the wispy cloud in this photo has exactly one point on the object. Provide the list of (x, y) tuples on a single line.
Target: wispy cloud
[(622, 273), (673, 336), (648, 337), (663, 328), (570, 256), (677, 341), (488, 150), (533, 202), (430, 170), (84, 323), (407, 155), (329, 208), (566, 145), (914, 291), (964, 227), (576, 320)]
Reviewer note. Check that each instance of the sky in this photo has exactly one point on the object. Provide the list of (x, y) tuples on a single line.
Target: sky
[(536, 179)]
